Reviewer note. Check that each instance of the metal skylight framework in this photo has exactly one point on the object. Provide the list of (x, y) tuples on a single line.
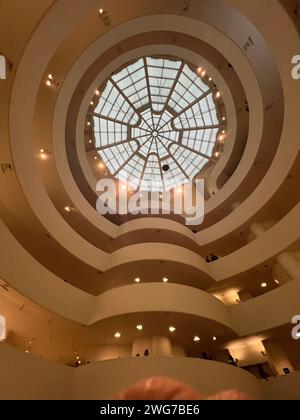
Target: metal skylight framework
[(156, 124)]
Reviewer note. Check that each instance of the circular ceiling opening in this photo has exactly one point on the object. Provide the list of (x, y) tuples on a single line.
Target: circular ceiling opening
[(153, 114)]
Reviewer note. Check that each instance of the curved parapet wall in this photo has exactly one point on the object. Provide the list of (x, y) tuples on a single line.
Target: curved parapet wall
[(26, 377), (160, 298)]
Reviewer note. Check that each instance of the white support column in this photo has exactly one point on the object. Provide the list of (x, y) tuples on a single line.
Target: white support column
[(161, 346), (277, 357), (257, 229), (154, 346), (290, 264)]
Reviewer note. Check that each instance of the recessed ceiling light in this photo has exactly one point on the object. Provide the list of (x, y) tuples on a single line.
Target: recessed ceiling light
[(137, 280), (88, 123), (77, 358), (276, 281), (210, 79), (50, 76), (298, 334), (68, 209), (214, 338), (118, 335), (90, 141), (172, 329), (223, 132), (101, 11), (196, 338), (92, 103), (44, 154), (95, 158), (97, 92), (199, 69), (264, 285), (223, 118), (203, 73), (165, 280), (48, 83), (27, 351), (218, 95), (139, 327), (217, 154), (79, 362)]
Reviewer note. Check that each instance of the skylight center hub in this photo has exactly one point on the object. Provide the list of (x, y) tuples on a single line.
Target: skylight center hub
[(155, 134)]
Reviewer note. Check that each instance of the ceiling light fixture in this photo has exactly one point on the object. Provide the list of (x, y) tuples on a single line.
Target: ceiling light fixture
[(196, 339), (264, 285), (97, 92), (172, 329), (44, 154), (137, 280), (276, 281), (139, 327), (117, 335), (165, 280), (3, 67), (214, 338), (51, 81), (218, 95)]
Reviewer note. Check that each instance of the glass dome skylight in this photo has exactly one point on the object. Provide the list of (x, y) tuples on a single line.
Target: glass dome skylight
[(156, 123)]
